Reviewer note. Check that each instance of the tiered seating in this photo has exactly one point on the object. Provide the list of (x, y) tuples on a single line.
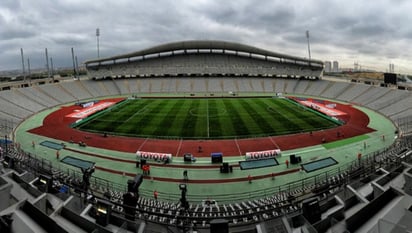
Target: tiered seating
[(301, 86), (19, 99), (291, 85), (280, 85), (403, 114), (12, 110), (133, 85), (316, 88), (92, 87), (184, 85), (242, 84), (370, 95), (169, 85), (229, 84), (335, 90), (352, 92), (247, 211), (391, 97), (257, 85), (76, 90), (225, 64), (155, 85), (214, 85), (123, 86), (110, 87), (35, 94), (399, 106), (56, 92), (267, 84)]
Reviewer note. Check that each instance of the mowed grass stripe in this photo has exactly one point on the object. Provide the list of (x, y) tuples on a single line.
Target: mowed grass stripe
[(255, 111), (106, 121), (98, 123), (285, 123), (144, 122), (225, 119), (276, 119), (165, 121), (279, 123), (216, 114), (312, 121), (297, 117), (189, 124), (239, 123), (177, 122), (128, 121), (202, 118)]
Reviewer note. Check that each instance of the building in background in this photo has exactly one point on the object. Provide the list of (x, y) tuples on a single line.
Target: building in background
[(328, 66), (335, 67), (391, 68)]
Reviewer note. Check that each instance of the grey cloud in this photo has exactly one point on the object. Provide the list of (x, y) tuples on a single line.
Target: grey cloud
[(339, 29), (16, 33)]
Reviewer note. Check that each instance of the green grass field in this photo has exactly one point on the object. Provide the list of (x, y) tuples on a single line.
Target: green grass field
[(206, 118)]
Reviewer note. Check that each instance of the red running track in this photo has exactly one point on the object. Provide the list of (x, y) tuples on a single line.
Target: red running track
[(56, 125)]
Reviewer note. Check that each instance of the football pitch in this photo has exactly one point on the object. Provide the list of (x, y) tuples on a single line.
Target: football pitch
[(206, 118)]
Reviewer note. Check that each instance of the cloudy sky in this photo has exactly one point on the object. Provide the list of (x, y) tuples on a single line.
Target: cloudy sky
[(371, 33)]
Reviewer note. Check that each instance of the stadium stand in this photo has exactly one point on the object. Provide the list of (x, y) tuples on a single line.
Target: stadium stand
[(15, 97), (204, 58), (56, 92), (345, 199), (353, 90), (76, 90), (34, 93), (358, 197), (335, 90)]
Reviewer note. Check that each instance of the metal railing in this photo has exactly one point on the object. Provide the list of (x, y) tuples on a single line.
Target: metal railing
[(369, 164)]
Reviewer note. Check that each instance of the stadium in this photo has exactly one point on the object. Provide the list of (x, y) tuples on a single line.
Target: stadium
[(206, 136)]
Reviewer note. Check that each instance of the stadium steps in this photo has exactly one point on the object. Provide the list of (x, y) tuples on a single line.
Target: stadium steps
[(15, 91), (285, 86), (116, 86), (207, 84), (350, 86), (330, 84), (45, 93), (13, 116), (125, 87), (104, 88), (173, 85), (236, 83), (295, 86), (177, 85), (400, 112), (362, 93), (82, 86), (192, 85), (251, 85), (301, 86), (15, 104), (262, 84), (391, 101), (307, 88), (275, 84), (67, 92), (339, 92), (376, 97), (139, 86), (19, 92)]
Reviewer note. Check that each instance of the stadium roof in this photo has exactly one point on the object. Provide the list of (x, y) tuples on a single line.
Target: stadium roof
[(202, 44)]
